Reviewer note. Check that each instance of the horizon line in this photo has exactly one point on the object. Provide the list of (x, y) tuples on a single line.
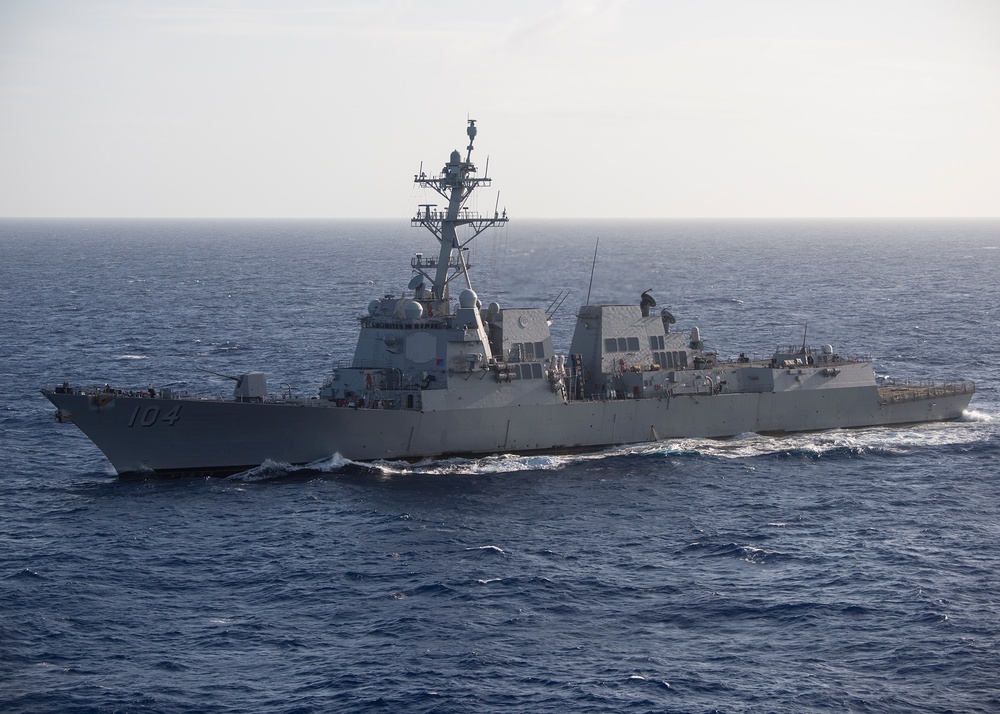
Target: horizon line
[(517, 218)]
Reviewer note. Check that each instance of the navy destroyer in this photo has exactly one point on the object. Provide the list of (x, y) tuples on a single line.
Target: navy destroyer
[(434, 377)]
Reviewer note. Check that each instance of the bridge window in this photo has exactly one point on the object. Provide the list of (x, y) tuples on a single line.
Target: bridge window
[(526, 351)]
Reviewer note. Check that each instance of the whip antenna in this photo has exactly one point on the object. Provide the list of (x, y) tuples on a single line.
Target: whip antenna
[(592, 269)]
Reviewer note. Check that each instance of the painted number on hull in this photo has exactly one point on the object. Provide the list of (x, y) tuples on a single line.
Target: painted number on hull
[(147, 416)]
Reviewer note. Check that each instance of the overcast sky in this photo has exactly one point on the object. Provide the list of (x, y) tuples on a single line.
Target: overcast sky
[(586, 108)]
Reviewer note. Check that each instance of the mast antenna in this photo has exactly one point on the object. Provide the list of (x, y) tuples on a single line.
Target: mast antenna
[(471, 131), (805, 332), (556, 304), (592, 269)]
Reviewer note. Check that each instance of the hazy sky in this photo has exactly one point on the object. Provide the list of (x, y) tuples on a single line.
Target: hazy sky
[(589, 108)]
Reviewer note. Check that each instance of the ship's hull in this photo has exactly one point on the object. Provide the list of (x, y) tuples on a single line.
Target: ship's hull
[(194, 436)]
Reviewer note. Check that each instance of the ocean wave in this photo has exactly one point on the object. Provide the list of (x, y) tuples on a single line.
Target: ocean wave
[(267, 470), (487, 550), (277, 469), (974, 415), (718, 300), (336, 462), (739, 551), (25, 573)]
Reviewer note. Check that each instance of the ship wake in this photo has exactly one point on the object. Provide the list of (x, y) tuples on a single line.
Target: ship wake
[(976, 430)]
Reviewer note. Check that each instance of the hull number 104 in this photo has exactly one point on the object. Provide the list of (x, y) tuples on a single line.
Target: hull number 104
[(147, 416)]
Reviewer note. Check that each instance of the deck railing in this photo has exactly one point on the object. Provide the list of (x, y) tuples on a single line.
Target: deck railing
[(912, 391)]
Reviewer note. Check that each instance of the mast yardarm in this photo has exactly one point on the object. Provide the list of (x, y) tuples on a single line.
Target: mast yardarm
[(455, 184)]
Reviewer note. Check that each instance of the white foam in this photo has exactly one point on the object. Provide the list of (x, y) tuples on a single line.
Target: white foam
[(268, 469), (971, 429), (333, 463), (750, 554), (974, 427), (494, 548), (498, 464), (975, 415), (892, 439)]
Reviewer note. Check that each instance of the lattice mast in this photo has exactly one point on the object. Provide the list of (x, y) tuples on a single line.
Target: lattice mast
[(455, 184)]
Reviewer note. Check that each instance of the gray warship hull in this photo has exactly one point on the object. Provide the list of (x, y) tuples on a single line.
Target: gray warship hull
[(208, 437), (432, 379)]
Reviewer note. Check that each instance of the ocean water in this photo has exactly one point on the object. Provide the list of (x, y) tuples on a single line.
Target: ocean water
[(845, 571)]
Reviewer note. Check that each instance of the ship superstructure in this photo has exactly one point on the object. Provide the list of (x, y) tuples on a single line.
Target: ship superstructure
[(434, 377)]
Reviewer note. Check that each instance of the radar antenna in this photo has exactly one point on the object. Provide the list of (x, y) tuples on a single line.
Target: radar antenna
[(646, 302), (471, 131), (455, 184)]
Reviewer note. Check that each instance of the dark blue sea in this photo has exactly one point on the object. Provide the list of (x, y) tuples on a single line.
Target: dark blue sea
[(846, 571)]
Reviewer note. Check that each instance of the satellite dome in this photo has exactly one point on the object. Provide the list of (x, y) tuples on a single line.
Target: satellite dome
[(413, 310), (468, 298)]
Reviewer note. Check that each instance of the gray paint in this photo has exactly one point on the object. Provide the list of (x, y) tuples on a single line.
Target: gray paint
[(430, 379)]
